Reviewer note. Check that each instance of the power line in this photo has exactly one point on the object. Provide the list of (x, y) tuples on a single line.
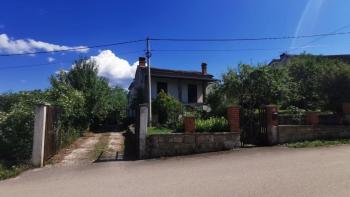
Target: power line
[(247, 39), (180, 40), (319, 38), (51, 63), (30, 65), (72, 49), (224, 50)]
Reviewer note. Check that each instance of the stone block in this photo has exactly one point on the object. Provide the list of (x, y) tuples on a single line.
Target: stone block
[(178, 139), (189, 139), (229, 145), (220, 138), (204, 138)]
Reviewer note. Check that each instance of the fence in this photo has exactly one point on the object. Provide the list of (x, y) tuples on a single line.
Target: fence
[(311, 126)]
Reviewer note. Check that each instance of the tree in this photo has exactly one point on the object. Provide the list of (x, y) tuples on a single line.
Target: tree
[(168, 109), (317, 83), (118, 103), (254, 86), (95, 90)]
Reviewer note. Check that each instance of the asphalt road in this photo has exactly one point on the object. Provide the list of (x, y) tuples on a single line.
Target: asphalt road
[(270, 171)]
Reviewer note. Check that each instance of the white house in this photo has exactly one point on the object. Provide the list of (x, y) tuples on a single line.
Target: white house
[(189, 87)]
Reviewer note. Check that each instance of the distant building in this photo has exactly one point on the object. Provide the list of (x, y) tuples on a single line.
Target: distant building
[(284, 57), (189, 87)]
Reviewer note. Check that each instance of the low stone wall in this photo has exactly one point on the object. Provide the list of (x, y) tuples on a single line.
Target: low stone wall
[(294, 133), (159, 145)]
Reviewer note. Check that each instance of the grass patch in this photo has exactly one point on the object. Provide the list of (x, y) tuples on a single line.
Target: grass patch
[(158, 130), (317, 143), (12, 171)]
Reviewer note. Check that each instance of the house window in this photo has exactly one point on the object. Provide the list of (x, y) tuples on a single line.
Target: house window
[(162, 86), (192, 93)]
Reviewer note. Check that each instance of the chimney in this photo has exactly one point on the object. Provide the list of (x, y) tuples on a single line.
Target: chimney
[(204, 68), (142, 61)]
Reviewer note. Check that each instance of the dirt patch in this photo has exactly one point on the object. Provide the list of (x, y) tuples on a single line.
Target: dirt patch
[(114, 150), (80, 152), (90, 148), (68, 149)]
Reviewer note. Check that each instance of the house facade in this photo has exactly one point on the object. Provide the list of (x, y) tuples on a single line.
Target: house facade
[(189, 87)]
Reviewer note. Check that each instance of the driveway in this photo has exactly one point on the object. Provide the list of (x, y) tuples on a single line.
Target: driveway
[(269, 171)]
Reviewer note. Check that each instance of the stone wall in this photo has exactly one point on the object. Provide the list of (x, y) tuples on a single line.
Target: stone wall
[(294, 133), (159, 145)]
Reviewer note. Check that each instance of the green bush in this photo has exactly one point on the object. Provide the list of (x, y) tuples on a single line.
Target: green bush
[(16, 134), (168, 109), (212, 125), (16, 124)]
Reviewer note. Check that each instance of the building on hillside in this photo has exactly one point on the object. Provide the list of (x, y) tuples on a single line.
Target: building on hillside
[(284, 57), (189, 87)]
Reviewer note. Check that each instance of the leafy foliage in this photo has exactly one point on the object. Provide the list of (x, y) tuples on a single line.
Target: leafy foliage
[(168, 109), (83, 98), (212, 125), (16, 124), (305, 82)]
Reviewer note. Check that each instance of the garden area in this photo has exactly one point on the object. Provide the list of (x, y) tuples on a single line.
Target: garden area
[(303, 84), (85, 102)]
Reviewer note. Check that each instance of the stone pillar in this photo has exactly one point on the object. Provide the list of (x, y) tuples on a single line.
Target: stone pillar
[(142, 130), (312, 118), (189, 124), (233, 118), (39, 135), (346, 112), (272, 124)]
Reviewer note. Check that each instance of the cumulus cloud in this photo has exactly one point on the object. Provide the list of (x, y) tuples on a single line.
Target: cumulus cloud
[(11, 46), (50, 59), (119, 71)]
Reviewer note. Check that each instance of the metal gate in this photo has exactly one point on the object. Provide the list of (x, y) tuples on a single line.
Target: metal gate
[(253, 125), (51, 132)]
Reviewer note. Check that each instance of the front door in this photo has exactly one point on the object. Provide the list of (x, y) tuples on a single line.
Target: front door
[(192, 93)]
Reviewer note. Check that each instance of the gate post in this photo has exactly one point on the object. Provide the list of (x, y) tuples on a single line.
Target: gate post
[(272, 124), (141, 130), (233, 118), (39, 135), (346, 112)]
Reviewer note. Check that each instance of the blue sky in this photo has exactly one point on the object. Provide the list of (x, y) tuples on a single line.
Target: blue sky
[(29, 26)]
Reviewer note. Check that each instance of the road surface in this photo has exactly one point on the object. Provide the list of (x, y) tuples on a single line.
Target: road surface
[(268, 171)]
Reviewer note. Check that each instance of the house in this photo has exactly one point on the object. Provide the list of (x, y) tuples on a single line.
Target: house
[(189, 87), (284, 57)]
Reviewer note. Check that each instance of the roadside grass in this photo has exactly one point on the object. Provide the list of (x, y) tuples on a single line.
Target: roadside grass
[(317, 143), (12, 170), (158, 130)]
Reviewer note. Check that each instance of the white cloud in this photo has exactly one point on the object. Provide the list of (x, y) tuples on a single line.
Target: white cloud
[(11, 46), (119, 71), (50, 59)]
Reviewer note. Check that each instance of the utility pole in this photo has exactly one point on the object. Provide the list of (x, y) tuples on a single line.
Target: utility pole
[(148, 56)]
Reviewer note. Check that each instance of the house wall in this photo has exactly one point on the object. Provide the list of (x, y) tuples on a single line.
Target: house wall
[(173, 88)]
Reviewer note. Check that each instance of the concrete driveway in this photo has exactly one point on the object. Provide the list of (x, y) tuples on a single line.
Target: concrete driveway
[(270, 171)]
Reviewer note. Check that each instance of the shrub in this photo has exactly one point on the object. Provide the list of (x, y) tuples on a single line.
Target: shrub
[(168, 109), (16, 133), (16, 125), (212, 125)]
